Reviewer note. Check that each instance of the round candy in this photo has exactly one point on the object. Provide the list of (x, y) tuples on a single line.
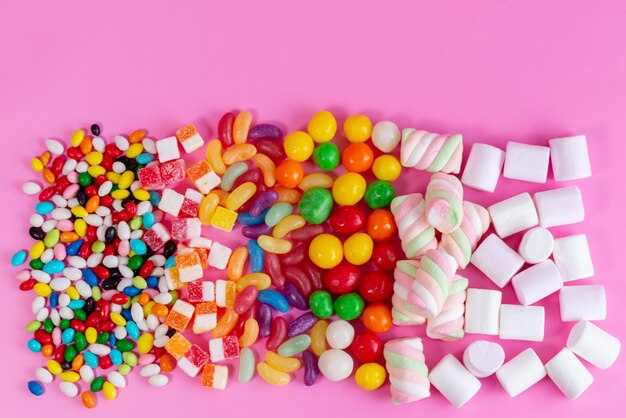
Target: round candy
[(339, 334), (335, 364), (376, 286), (349, 306), (379, 194), (357, 157), (322, 126), (386, 255), (325, 251), (321, 304), (367, 347), (343, 278), (358, 128), (298, 146), (386, 136), (347, 219), (326, 156), (358, 248), (315, 205), (377, 317), (289, 174), (370, 376), (381, 226), (349, 188), (387, 167)]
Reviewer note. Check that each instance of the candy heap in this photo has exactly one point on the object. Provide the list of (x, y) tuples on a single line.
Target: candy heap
[(130, 261)]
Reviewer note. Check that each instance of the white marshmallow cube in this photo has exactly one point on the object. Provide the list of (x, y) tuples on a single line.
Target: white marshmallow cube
[(483, 358), (482, 311), (521, 372), (537, 282), (513, 215), (537, 245), (526, 162), (518, 322), (572, 257), (594, 344), (569, 374), (583, 302), (570, 158), (171, 202), (483, 167), (453, 380), (497, 260), (219, 256), (558, 207), (167, 149)]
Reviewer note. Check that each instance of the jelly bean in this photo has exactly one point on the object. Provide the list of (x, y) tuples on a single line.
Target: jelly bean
[(287, 195), (262, 202), (44, 208), (245, 299), (271, 375), (316, 205), (231, 174), (241, 126), (246, 365), (267, 167), (274, 245), (322, 126), (294, 345), (274, 299), (236, 263), (358, 128), (377, 317), (325, 251), (265, 130), (306, 233), (225, 324), (357, 249), (35, 388), (294, 297), (264, 318), (238, 153), (387, 167), (261, 280), (287, 225), (370, 376), (272, 266), (321, 304), (295, 256), (284, 364), (88, 400), (318, 337), (301, 324), (270, 148), (145, 343), (349, 188), (367, 347), (257, 256), (299, 278), (256, 231), (207, 208), (138, 246), (335, 364), (214, 156), (240, 195), (250, 333), (109, 391), (225, 129), (326, 156), (18, 258), (246, 218), (311, 371), (379, 194), (277, 213), (34, 346), (376, 286), (298, 146), (278, 333), (357, 157), (312, 180), (289, 174), (343, 278), (349, 306)]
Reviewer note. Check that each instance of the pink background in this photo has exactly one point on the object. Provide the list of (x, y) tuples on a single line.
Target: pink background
[(526, 71)]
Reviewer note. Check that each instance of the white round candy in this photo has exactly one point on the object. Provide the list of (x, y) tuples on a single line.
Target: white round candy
[(69, 389), (483, 358), (386, 136), (339, 334), (150, 370), (158, 380), (54, 146), (335, 364), (43, 375), (117, 379), (537, 245), (30, 187)]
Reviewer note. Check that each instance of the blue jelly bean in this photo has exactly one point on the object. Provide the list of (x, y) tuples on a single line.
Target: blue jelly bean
[(68, 335), (112, 340), (131, 291), (44, 208), (74, 247), (170, 262), (90, 277), (91, 359), (257, 256), (76, 304), (132, 329), (138, 246), (53, 300), (126, 314), (245, 218), (34, 346), (116, 357), (274, 299), (53, 267), (35, 388), (148, 220), (152, 281), (155, 198), (18, 258), (144, 158)]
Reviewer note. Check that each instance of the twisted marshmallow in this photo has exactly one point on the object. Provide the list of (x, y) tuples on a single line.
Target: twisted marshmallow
[(431, 152), (462, 242), (416, 235), (408, 373), (444, 202), (402, 311), (448, 325), (432, 283)]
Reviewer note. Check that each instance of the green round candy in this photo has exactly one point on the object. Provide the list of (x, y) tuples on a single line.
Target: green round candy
[(36, 264), (349, 306), (321, 304), (316, 205), (98, 247), (326, 156), (379, 194), (124, 345), (85, 179), (135, 262), (96, 384)]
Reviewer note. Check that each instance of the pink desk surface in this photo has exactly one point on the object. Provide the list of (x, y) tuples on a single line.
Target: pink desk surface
[(492, 70)]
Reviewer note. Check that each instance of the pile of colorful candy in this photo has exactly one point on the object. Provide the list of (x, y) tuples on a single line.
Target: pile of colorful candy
[(123, 244)]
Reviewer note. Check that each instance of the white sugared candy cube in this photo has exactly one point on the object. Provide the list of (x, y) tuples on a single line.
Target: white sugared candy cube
[(219, 256), (171, 202), (167, 149)]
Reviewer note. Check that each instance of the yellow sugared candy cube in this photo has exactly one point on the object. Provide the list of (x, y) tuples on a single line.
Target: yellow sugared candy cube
[(177, 346), (223, 219)]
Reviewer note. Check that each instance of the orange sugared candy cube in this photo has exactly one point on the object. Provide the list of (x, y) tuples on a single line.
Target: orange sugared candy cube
[(180, 315), (189, 138), (177, 346)]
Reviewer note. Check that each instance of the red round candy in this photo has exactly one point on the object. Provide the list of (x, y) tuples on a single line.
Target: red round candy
[(385, 256), (347, 219), (367, 347), (343, 278), (376, 286)]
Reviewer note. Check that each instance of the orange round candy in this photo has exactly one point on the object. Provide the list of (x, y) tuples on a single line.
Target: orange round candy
[(167, 363), (381, 225), (289, 174), (377, 317), (357, 157)]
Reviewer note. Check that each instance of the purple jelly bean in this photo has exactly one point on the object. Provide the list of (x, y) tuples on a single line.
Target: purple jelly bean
[(272, 149), (301, 324), (264, 318), (263, 201), (256, 231), (265, 130), (311, 371), (294, 297)]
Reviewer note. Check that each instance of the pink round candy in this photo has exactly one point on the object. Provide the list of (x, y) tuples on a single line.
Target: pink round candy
[(146, 359), (60, 252)]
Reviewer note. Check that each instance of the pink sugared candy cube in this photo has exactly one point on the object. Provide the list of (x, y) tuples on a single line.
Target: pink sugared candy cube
[(201, 292), (215, 376), (150, 177), (171, 202), (156, 237), (193, 360), (224, 348), (173, 171), (191, 203), (189, 138), (184, 229)]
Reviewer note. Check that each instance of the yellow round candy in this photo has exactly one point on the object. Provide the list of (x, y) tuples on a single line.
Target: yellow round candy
[(325, 251), (358, 128), (358, 248), (349, 188), (386, 167), (370, 376), (322, 126), (298, 146)]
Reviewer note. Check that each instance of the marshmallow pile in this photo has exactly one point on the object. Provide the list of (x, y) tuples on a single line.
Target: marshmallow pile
[(428, 289)]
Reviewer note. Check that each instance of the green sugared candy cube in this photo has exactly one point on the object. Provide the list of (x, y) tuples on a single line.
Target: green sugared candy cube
[(379, 194), (321, 304), (326, 156), (316, 205), (349, 306)]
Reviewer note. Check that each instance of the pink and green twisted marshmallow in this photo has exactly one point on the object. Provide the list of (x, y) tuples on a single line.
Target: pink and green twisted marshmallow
[(448, 325), (444, 202), (408, 373), (416, 235), (462, 242), (431, 152)]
